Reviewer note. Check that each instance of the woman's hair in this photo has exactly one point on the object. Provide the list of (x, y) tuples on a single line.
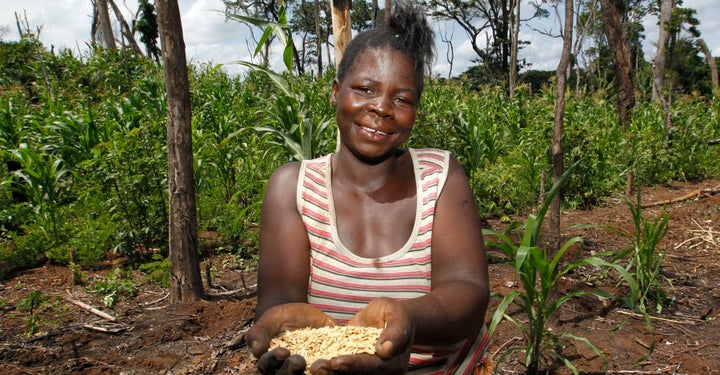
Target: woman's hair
[(406, 30)]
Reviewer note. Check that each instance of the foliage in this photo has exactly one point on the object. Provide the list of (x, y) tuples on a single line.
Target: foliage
[(292, 125), (34, 304), (147, 26), (117, 284), (158, 270), (83, 171), (539, 272), (645, 259)]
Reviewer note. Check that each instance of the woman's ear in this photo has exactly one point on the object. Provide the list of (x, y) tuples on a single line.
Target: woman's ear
[(335, 88)]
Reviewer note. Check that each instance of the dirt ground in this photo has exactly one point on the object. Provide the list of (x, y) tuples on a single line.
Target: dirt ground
[(149, 336)]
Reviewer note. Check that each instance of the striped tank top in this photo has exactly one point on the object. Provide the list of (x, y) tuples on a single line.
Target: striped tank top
[(342, 283)]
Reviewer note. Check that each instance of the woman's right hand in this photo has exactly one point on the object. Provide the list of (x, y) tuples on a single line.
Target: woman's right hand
[(285, 317)]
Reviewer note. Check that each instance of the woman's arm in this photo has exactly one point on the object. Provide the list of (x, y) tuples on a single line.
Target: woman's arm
[(284, 265), (460, 285)]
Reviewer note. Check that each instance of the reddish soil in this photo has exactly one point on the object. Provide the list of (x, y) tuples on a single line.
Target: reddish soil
[(150, 336)]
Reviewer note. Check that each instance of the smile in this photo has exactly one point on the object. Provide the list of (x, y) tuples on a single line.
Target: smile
[(373, 130)]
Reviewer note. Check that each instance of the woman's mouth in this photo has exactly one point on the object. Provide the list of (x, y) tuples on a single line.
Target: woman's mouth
[(369, 130)]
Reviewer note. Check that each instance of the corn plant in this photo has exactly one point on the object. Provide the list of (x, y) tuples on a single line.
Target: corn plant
[(44, 183), (291, 124), (539, 272), (645, 259)]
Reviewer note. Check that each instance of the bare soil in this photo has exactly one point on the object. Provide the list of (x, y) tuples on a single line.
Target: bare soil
[(150, 336)]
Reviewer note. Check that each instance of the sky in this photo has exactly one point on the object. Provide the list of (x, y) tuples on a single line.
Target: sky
[(210, 39)]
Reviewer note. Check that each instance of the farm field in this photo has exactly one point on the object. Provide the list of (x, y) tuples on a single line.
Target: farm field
[(148, 336)]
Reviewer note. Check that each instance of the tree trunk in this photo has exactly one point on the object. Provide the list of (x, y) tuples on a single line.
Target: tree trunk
[(622, 61), (375, 11), (514, 35), (556, 147), (125, 28), (105, 25), (666, 10), (186, 281), (318, 40), (342, 33), (711, 64)]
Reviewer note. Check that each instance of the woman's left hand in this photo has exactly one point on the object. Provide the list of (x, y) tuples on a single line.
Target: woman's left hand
[(392, 350)]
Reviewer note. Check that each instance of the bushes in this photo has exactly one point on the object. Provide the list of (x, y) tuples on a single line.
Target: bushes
[(84, 170)]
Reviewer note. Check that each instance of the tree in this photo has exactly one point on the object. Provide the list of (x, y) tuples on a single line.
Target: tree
[(491, 18), (101, 24), (583, 28), (186, 283), (125, 30), (514, 46), (556, 146), (686, 70), (714, 79), (147, 26), (621, 57), (342, 33), (666, 11)]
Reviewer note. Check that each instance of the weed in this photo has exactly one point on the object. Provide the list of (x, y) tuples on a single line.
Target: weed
[(116, 285), (158, 271), (34, 304), (645, 259), (539, 273)]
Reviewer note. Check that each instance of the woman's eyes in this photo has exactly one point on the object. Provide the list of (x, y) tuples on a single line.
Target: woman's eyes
[(369, 91)]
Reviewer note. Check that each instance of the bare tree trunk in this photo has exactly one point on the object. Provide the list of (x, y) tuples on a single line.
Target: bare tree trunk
[(659, 62), (375, 11), (342, 33), (581, 31), (711, 64), (622, 61), (515, 27), (125, 28), (388, 6), (450, 54), (186, 281), (318, 40), (105, 25), (556, 147)]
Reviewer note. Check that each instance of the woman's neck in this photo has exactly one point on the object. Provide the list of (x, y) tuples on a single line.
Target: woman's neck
[(353, 173)]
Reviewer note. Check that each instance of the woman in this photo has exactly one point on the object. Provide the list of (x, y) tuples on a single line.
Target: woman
[(374, 234)]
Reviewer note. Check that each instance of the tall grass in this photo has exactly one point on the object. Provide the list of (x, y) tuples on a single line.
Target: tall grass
[(100, 149)]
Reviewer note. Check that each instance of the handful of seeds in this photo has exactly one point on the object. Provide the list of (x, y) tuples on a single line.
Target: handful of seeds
[(328, 342)]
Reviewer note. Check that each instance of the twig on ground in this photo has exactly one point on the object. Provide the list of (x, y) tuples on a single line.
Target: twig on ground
[(699, 347), (704, 236), (636, 315), (105, 329), (91, 309), (697, 194), (503, 346), (157, 300), (673, 369)]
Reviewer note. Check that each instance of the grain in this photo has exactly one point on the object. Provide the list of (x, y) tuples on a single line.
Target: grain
[(328, 342)]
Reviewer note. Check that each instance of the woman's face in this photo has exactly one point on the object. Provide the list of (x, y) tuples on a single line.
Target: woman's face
[(376, 103)]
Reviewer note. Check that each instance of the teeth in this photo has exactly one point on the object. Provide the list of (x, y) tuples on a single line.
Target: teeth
[(374, 131)]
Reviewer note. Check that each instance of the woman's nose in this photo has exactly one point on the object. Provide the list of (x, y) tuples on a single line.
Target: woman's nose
[(382, 106)]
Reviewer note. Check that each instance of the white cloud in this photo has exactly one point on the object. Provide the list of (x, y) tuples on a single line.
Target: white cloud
[(210, 39)]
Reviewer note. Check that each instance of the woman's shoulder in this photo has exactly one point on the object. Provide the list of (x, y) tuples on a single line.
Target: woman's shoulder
[(285, 175), (289, 172)]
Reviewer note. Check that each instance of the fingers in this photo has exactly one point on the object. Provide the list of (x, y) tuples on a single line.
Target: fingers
[(293, 365), (258, 339), (360, 364), (279, 362)]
